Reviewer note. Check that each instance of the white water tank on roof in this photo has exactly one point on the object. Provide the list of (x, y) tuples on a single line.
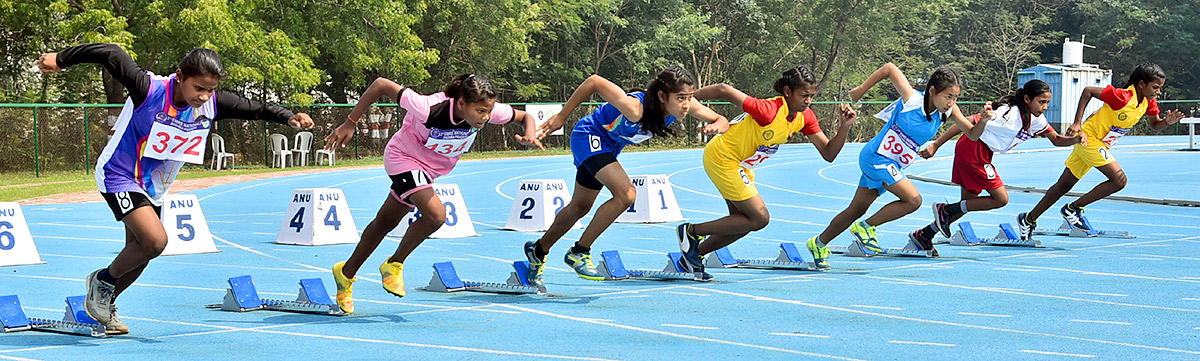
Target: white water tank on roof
[(1072, 52)]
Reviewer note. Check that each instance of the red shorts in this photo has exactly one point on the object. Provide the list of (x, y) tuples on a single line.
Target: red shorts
[(973, 168)]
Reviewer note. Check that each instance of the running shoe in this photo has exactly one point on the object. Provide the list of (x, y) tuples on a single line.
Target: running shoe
[(345, 288)]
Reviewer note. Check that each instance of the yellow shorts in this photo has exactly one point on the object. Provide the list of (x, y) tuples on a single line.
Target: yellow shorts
[(733, 181), (1083, 159)]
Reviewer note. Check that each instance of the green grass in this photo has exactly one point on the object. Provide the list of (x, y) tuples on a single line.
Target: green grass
[(15, 186)]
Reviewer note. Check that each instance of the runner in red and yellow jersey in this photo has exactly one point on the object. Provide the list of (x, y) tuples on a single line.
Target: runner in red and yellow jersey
[(1122, 109), (751, 139)]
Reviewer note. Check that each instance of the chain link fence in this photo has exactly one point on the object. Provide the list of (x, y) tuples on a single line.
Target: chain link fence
[(69, 137)]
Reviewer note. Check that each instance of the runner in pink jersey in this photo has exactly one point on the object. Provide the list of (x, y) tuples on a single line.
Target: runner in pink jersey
[(437, 129)]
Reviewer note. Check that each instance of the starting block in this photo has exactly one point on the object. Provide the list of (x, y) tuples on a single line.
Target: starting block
[(75, 320), (445, 279), (789, 258), (613, 269), (1067, 230), (855, 249), (242, 297), (965, 236)]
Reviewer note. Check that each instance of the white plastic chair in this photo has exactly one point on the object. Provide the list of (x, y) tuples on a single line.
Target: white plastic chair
[(219, 154), (303, 145), (279, 152), (331, 154)]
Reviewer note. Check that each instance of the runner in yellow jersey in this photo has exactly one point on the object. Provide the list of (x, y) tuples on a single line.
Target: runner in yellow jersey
[(729, 158), (1122, 109)]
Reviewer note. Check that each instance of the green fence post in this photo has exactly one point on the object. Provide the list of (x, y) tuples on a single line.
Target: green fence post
[(37, 163), (87, 146)]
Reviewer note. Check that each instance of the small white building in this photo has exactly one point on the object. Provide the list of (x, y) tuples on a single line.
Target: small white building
[(1067, 81)]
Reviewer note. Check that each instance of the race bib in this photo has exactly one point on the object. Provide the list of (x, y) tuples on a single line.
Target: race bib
[(990, 171), (745, 177), (1114, 133), (450, 143), (173, 139), (898, 147), (594, 143), (760, 155), (1104, 153)]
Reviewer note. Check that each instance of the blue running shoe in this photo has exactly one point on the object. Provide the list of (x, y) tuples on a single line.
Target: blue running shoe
[(1075, 218), (536, 265), (690, 246)]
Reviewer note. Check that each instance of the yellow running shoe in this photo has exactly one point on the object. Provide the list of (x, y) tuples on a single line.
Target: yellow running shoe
[(345, 288), (393, 277)]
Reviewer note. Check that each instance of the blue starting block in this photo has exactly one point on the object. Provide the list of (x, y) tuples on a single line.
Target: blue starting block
[(446, 279), (789, 258), (1067, 230), (75, 320), (243, 297), (965, 236), (613, 269), (855, 249)]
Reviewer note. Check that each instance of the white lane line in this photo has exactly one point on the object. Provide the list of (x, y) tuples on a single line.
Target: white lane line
[(2, 357), (689, 326), (1190, 278), (938, 322), (671, 334), (1101, 294), (1168, 234), (922, 343), (1057, 353), (983, 314), (1016, 269), (629, 296), (797, 334), (1104, 322), (687, 293), (1190, 299), (1142, 258), (452, 259), (878, 307), (82, 239)]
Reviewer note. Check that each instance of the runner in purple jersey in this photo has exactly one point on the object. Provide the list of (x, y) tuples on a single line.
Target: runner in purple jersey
[(163, 125)]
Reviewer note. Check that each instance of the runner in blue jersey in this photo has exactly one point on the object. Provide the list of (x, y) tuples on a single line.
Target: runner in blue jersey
[(911, 121), (164, 124), (597, 139)]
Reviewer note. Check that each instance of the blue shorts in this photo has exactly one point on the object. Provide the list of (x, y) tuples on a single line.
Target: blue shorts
[(584, 145), (878, 172)]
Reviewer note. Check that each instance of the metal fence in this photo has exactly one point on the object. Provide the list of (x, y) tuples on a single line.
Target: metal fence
[(67, 137)]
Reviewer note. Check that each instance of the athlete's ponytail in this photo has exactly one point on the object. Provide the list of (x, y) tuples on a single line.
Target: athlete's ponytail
[(1031, 89), (201, 62), (1146, 72), (942, 78), (470, 88), (795, 78), (670, 80)]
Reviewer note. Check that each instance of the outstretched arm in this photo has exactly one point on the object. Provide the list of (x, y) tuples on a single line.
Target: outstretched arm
[(716, 123), (1061, 141), (630, 107), (1161, 121), (379, 88), (887, 71), (115, 60), (931, 150), (721, 91), (233, 106), (972, 130), (829, 149), (530, 125)]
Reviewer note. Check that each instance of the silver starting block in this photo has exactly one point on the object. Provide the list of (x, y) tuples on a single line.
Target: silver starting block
[(789, 258), (1067, 230), (856, 249), (446, 279), (75, 320), (965, 236), (614, 269), (243, 297)]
